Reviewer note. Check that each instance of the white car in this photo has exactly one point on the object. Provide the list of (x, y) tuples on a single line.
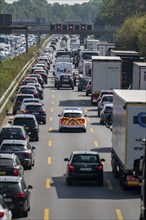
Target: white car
[(5, 213), (104, 100), (72, 118)]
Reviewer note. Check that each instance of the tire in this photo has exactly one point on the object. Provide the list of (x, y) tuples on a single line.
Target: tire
[(87, 94), (84, 130), (101, 122), (98, 114), (115, 171), (25, 214), (30, 167), (72, 88), (68, 182), (60, 130), (100, 181), (37, 139), (122, 183)]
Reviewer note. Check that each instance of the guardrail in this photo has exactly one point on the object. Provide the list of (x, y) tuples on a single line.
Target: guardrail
[(12, 88)]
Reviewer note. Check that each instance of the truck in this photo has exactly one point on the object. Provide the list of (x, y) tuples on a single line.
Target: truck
[(128, 57), (62, 68), (105, 75), (139, 75), (129, 124), (91, 44), (103, 47)]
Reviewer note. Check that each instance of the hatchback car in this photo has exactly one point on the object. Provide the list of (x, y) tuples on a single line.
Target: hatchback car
[(39, 89), (29, 122), (28, 90), (29, 80), (84, 166), (83, 83), (39, 78), (18, 101), (107, 109), (10, 165), (22, 149), (72, 119), (5, 212), (43, 75), (104, 100), (32, 100), (13, 132), (35, 109), (16, 194)]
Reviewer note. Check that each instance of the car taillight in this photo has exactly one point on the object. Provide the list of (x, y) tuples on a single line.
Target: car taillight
[(26, 154), (1, 214), (19, 92), (100, 167), (35, 93), (23, 138), (15, 172), (70, 167), (20, 195)]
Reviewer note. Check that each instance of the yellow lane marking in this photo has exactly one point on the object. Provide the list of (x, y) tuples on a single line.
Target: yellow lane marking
[(50, 129), (52, 102), (48, 183), (46, 214), (53, 96), (51, 118), (88, 119), (91, 130), (119, 214), (49, 143), (52, 109), (85, 110), (96, 144), (53, 90), (49, 160), (109, 184)]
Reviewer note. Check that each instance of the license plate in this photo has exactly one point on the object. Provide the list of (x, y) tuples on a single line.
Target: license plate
[(8, 199), (65, 85), (85, 169), (2, 172), (65, 80)]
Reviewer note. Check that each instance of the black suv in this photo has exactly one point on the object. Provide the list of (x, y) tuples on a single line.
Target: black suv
[(16, 194), (65, 81), (29, 123)]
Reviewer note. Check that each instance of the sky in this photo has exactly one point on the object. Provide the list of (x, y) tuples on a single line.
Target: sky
[(70, 2)]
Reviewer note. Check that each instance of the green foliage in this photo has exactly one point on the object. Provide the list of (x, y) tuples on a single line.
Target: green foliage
[(132, 35)]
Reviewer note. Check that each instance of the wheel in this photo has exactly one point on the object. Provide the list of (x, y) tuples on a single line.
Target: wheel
[(84, 130), (37, 138), (87, 94), (72, 88), (25, 214), (123, 184), (30, 167), (44, 122), (100, 181), (60, 129), (115, 170), (68, 182), (98, 114), (101, 122)]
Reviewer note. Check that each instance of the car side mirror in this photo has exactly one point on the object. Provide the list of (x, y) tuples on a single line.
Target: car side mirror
[(33, 147), (66, 159), (102, 160), (30, 187), (59, 115)]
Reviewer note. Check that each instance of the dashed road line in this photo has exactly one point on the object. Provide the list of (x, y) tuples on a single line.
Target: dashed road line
[(49, 160), (52, 110), (50, 129), (109, 184), (51, 118), (91, 130), (49, 143), (48, 182), (119, 214), (46, 214), (88, 119), (53, 95), (96, 144), (52, 102)]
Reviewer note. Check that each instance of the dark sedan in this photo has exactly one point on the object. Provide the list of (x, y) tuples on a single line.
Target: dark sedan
[(84, 166)]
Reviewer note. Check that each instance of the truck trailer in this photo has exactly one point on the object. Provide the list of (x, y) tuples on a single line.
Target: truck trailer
[(139, 75), (129, 124), (105, 75)]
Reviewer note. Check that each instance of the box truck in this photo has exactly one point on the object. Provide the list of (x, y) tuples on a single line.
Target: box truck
[(128, 57), (129, 124), (87, 66), (105, 75), (139, 75)]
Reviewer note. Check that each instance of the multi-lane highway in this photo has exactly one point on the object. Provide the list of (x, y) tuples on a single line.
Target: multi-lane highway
[(51, 198)]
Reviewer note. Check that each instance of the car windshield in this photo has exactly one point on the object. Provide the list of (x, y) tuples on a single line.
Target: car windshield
[(13, 147), (72, 115), (85, 158), (9, 187)]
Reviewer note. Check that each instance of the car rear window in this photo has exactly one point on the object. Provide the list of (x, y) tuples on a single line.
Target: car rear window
[(4, 162), (13, 147), (85, 158), (20, 98), (109, 109), (9, 187), (72, 115), (108, 98), (11, 131), (24, 121), (34, 107)]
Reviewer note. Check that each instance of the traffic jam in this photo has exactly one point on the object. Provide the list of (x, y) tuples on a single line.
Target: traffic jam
[(66, 65)]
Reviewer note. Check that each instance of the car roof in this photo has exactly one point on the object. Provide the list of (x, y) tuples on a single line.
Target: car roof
[(85, 152), (33, 103), (24, 116), (107, 95), (12, 126), (73, 109), (10, 179), (7, 156), (31, 99), (23, 142), (28, 95), (27, 86)]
